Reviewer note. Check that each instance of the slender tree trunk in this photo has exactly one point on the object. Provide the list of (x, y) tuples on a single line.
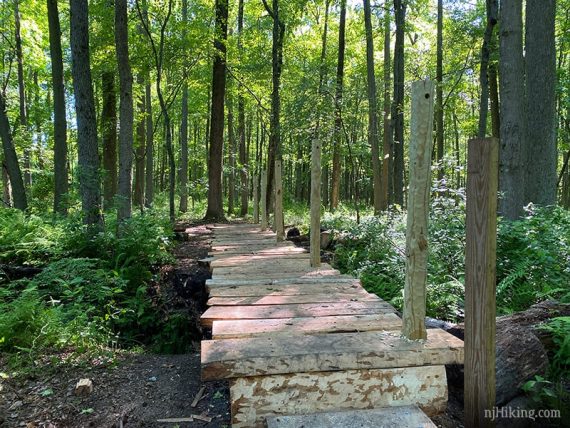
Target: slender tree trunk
[(439, 136), (492, 12), (149, 149), (513, 129), (109, 130), (126, 111), (11, 159), (494, 97), (23, 123), (398, 105), (387, 167), (6, 188), (88, 157), (373, 134), (540, 67), (231, 155), (59, 121), (184, 127), (215, 202), (138, 196), (243, 153)]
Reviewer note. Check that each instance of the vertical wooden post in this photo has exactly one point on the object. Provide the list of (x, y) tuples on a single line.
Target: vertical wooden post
[(421, 143), (316, 204), (255, 199), (264, 199), (480, 271), (278, 215)]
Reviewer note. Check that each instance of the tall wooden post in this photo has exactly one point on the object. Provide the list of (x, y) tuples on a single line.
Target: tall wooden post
[(264, 199), (480, 271), (278, 215), (316, 204), (421, 143), (256, 199)]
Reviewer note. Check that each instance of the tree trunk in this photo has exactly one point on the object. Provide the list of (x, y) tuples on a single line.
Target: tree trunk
[(215, 203), (11, 159), (492, 12), (439, 136), (88, 157), (494, 96), (184, 127), (387, 167), (23, 123), (149, 152), (126, 111), (59, 121), (6, 188), (540, 68), (231, 155), (109, 130), (398, 105), (243, 153), (513, 129), (373, 142), (138, 196)]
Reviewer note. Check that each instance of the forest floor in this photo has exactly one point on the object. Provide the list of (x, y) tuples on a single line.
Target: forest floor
[(138, 389)]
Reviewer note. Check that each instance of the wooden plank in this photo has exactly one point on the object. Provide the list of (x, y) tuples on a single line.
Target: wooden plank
[(284, 289), (255, 398), (355, 296), (283, 266), (292, 311), (228, 282), (239, 260), (301, 273), (421, 142), (295, 326), (480, 265), (387, 417), (275, 250), (329, 352)]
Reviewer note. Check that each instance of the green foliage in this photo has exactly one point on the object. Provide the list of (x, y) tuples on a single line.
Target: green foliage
[(559, 328), (548, 394), (533, 259)]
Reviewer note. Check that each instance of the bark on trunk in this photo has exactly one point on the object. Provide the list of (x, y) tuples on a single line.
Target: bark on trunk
[(184, 128), (59, 121), (11, 159), (540, 68), (398, 105), (126, 111), (243, 153), (387, 167), (439, 93), (88, 157), (373, 134), (149, 150), (231, 156), (492, 12), (109, 130), (513, 129), (138, 195), (215, 203)]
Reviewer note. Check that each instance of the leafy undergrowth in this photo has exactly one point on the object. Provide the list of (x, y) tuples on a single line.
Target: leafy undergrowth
[(533, 256), (93, 296)]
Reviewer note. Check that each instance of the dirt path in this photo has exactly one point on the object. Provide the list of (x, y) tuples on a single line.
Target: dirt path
[(138, 389)]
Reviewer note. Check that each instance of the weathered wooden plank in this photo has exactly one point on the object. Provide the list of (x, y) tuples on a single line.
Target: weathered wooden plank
[(283, 266), (239, 260), (284, 290), (337, 351), (292, 311), (255, 398), (355, 296), (480, 284), (292, 279), (296, 326), (387, 417), (276, 249), (300, 273)]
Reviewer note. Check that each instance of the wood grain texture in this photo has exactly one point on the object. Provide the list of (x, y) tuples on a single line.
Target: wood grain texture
[(294, 299), (284, 289), (421, 143), (296, 326), (289, 280), (292, 311), (232, 358), (480, 265), (255, 398), (239, 260), (315, 230)]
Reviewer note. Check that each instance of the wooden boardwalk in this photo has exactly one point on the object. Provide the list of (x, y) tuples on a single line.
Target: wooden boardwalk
[(296, 340)]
